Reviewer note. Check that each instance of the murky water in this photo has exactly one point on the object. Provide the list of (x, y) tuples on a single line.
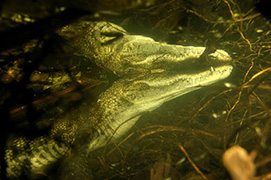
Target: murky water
[(186, 137)]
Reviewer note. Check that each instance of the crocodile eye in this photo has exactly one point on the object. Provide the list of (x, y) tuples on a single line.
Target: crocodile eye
[(109, 33), (108, 37)]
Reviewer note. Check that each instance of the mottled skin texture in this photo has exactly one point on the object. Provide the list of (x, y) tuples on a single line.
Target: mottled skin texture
[(148, 77)]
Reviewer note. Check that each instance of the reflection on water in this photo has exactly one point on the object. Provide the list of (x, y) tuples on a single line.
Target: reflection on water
[(184, 138)]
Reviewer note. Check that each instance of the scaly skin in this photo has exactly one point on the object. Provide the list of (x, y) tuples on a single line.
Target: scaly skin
[(150, 72)]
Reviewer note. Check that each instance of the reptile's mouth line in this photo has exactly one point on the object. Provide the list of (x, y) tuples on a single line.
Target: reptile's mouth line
[(203, 77), (173, 63), (190, 66), (197, 67)]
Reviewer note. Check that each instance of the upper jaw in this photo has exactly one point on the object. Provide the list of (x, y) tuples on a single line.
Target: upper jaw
[(132, 54)]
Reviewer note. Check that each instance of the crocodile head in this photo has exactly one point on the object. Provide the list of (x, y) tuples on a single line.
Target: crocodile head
[(150, 72)]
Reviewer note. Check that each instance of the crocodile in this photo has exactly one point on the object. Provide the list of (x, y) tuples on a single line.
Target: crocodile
[(149, 73)]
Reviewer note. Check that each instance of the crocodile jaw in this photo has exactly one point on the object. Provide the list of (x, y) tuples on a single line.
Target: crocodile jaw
[(148, 76), (120, 106), (126, 100), (132, 54)]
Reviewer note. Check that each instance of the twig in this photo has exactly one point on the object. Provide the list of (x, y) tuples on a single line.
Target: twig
[(241, 20), (40, 103), (208, 102), (248, 42), (160, 128), (192, 163), (256, 75), (240, 92)]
